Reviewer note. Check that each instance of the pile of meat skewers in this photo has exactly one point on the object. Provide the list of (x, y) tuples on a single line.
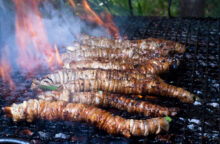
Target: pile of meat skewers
[(100, 72)]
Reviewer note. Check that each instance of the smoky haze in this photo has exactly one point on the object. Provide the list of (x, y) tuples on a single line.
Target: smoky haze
[(61, 28)]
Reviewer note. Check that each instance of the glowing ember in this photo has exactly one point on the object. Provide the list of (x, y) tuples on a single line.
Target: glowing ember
[(34, 48), (140, 96)]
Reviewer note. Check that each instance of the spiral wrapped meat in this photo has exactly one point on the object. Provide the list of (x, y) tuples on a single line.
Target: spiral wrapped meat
[(41, 109), (154, 66), (131, 87), (67, 75), (103, 99), (157, 45)]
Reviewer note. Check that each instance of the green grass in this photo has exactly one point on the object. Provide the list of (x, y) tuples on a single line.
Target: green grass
[(149, 7)]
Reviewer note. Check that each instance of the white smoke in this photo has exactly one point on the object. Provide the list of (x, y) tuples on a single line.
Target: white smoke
[(61, 26)]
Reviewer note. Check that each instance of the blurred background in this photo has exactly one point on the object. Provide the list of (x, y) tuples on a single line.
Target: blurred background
[(184, 8)]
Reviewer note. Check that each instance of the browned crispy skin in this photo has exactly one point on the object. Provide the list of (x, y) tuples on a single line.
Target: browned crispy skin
[(131, 87), (40, 109), (110, 57), (113, 53), (157, 66), (67, 75), (107, 99), (158, 45), (108, 53), (154, 66), (93, 64)]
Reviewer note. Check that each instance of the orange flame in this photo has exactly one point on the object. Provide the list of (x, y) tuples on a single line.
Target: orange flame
[(34, 47), (58, 57), (5, 68), (94, 17), (5, 71), (72, 4), (108, 23), (105, 21)]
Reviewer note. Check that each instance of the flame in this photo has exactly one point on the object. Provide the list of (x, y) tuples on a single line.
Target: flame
[(104, 20), (5, 71), (72, 4), (58, 57), (34, 48), (94, 17), (5, 67)]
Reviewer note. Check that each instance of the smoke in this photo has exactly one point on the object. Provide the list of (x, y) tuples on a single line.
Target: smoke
[(61, 26), (7, 28)]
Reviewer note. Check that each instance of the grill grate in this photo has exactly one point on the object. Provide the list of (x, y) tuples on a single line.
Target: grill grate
[(198, 73)]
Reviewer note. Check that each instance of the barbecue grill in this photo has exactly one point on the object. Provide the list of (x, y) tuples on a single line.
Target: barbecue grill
[(199, 73)]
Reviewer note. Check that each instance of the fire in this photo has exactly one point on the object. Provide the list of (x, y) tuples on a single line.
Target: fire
[(58, 57), (34, 48), (94, 17), (5, 71), (104, 20), (72, 4)]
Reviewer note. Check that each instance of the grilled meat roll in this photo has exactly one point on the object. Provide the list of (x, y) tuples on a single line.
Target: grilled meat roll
[(157, 65), (93, 64), (109, 55), (103, 99), (154, 66), (79, 50), (158, 45), (67, 75), (41, 109), (107, 52), (131, 87)]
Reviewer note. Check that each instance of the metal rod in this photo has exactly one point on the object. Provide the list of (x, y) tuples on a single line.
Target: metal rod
[(13, 141), (219, 72)]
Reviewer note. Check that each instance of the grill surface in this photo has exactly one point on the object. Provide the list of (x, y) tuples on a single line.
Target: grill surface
[(198, 73)]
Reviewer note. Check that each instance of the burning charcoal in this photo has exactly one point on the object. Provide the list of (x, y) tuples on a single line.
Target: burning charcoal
[(26, 132), (81, 139), (165, 138)]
